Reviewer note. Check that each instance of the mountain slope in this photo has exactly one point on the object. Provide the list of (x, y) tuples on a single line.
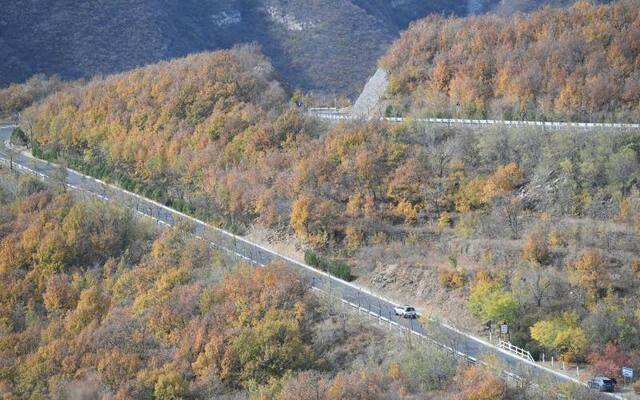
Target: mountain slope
[(314, 44), (328, 46)]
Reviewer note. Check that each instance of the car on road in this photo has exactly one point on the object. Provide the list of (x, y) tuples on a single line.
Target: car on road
[(601, 384), (406, 312)]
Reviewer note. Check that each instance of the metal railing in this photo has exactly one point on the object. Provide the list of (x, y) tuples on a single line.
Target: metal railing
[(338, 116), (511, 348)]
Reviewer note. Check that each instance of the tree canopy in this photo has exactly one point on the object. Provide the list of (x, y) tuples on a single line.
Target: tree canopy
[(577, 63)]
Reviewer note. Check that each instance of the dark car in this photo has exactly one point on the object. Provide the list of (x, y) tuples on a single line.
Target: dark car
[(601, 384)]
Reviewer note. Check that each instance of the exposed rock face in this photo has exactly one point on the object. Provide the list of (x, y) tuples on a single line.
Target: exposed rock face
[(367, 104), (226, 18), (289, 21)]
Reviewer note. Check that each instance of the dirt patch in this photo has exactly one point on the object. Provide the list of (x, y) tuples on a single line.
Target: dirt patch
[(286, 245), (421, 285)]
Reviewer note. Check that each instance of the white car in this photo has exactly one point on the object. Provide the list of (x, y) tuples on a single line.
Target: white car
[(406, 312)]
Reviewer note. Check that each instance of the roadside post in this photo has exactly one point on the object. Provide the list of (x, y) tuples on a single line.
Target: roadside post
[(504, 332), (627, 374)]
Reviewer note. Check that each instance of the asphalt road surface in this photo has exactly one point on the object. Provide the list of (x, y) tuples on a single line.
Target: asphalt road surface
[(378, 307)]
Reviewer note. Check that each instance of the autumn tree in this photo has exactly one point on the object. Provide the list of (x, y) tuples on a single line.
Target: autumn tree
[(591, 272), (478, 384), (561, 335), (489, 300), (536, 248), (610, 360)]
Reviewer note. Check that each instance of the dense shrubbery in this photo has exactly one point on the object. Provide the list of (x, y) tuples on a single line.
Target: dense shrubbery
[(177, 131), (101, 303), (336, 268), (19, 138), (578, 63)]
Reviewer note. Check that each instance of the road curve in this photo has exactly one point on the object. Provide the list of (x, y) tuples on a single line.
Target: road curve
[(471, 348)]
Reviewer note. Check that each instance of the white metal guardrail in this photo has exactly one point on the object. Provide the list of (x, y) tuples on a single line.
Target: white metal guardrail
[(515, 350), (366, 310), (338, 116), (323, 109)]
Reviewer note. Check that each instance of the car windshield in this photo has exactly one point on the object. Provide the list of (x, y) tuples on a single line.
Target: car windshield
[(410, 309), (607, 381)]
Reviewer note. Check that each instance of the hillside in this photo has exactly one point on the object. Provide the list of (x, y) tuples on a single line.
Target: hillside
[(16, 97), (328, 46), (528, 227), (579, 63), (508, 7), (532, 228), (176, 130)]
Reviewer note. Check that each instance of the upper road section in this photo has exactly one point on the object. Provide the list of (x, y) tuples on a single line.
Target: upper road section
[(335, 115)]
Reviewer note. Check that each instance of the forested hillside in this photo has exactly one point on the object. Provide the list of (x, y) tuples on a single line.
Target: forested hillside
[(536, 229), (580, 63), (196, 133), (508, 7), (16, 97)]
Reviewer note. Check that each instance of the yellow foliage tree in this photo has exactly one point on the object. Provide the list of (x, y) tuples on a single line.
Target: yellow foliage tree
[(562, 335), (408, 211), (479, 384), (504, 180)]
